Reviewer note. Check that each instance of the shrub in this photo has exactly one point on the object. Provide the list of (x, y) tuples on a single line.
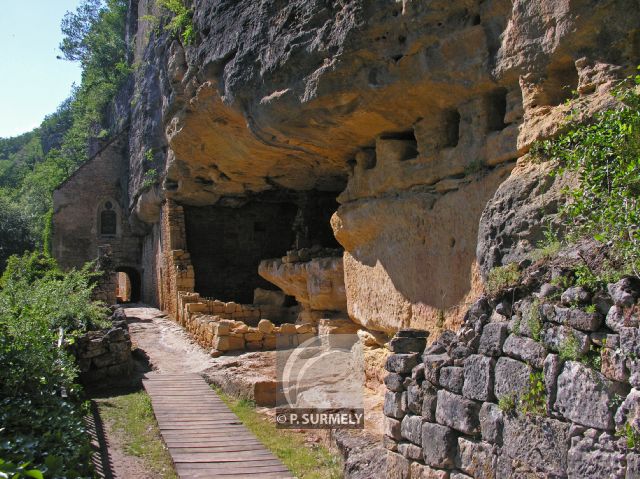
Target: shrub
[(605, 155), (182, 22), (503, 277), (534, 323), (40, 426), (507, 404), (533, 400)]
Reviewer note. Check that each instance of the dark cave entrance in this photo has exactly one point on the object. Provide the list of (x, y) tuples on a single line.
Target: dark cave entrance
[(227, 243)]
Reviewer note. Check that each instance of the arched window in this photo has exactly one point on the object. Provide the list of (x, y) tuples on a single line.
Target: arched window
[(108, 220)]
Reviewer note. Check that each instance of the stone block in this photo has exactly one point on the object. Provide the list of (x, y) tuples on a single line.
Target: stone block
[(629, 411), (457, 412), (586, 396), (288, 328), (269, 341), (439, 445), (392, 428), (556, 337), (511, 378), (478, 377), (411, 428), (265, 326), (221, 329), (228, 343), (401, 363), (432, 365), (633, 466), (599, 458), (253, 345), (575, 295), (410, 451), (407, 345), (477, 458), (429, 402), (253, 336), (459, 475), (537, 442), (415, 397), (389, 444), (551, 371), (395, 404), (491, 423), (525, 349), (625, 292), (397, 466), (420, 471), (614, 365), (492, 339), (630, 341), (452, 378), (394, 382)]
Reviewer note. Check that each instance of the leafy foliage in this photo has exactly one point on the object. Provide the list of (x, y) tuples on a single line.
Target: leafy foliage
[(606, 157), (34, 164), (533, 400), (182, 22), (39, 426)]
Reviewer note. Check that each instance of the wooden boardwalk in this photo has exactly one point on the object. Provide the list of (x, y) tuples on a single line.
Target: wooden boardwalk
[(205, 439)]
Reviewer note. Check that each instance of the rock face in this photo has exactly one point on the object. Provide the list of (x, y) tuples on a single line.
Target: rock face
[(412, 115)]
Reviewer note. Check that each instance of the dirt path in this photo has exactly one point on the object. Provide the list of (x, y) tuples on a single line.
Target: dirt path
[(166, 348), (167, 345)]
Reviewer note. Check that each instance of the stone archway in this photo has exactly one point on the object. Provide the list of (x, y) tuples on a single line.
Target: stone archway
[(128, 284)]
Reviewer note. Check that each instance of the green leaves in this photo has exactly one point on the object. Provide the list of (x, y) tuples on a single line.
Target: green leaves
[(182, 22), (605, 156)]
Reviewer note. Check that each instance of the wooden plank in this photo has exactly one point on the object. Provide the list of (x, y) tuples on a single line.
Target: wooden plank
[(205, 439)]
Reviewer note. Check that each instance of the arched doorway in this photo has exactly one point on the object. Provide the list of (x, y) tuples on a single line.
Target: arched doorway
[(127, 285)]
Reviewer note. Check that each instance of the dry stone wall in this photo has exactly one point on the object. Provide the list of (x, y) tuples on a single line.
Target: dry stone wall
[(545, 386), (104, 357)]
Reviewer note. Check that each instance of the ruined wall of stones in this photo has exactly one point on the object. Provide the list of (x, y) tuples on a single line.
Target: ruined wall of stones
[(104, 357), (175, 272), (541, 387)]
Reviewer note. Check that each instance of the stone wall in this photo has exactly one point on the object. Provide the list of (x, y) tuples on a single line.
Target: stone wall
[(222, 327), (104, 357), (540, 387), (77, 206)]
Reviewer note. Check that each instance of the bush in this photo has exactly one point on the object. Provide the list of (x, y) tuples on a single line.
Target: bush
[(40, 425), (182, 22), (605, 155), (503, 277)]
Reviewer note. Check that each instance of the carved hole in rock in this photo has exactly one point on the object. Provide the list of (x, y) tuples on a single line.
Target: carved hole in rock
[(410, 146), (128, 285), (476, 20), (560, 84), (396, 58), (368, 158), (496, 110), (452, 128)]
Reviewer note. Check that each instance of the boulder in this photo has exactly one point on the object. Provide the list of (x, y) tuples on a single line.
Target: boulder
[(511, 378), (401, 363), (452, 378), (411, 428), (625, 292), (477, 458), (491, 423)]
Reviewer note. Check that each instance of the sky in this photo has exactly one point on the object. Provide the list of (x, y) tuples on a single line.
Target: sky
[(32, 81)]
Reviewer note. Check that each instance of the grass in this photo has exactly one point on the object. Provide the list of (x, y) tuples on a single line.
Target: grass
[(305, 462), (131, 416), (503, 277)]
